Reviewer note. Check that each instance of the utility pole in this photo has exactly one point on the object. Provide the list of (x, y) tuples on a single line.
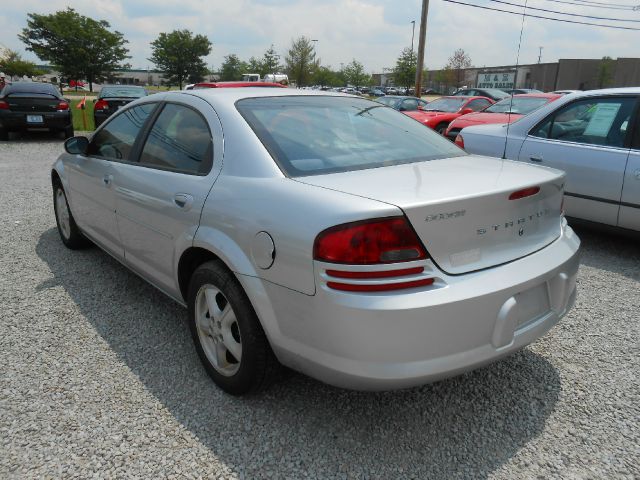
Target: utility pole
[(540, 54), (413, 31), (421, 42)]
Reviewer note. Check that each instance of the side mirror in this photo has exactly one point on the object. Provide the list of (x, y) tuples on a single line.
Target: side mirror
[(464, 111), (421, 108), (77, 145)]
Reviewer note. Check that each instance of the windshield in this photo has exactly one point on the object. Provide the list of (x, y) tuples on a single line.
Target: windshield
[(313, 135), (388, 101), (133, 92), (520, 106), (445, 104)]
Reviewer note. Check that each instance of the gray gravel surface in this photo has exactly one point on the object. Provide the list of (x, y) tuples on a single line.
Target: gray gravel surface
[(98, 378)]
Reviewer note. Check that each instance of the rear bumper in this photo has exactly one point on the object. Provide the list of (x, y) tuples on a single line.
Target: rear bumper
[(50, 120), (99, 117), (380, 341)]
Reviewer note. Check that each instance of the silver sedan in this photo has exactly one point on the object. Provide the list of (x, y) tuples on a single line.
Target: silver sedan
[(324, 232), (593, 136)]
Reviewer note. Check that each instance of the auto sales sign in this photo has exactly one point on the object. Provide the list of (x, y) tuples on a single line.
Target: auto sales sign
[(496, 80)]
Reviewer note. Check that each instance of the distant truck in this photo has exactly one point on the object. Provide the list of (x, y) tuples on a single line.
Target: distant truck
[(270, 77)]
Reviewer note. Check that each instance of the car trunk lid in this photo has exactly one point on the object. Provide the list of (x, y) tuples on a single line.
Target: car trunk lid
[(461, 207), (36, 103)]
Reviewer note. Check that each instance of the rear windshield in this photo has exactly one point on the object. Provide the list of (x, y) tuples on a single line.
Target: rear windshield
[(131, 92), (315, 135), (445, 104), (28, 89), (521, 106), (389, 101)]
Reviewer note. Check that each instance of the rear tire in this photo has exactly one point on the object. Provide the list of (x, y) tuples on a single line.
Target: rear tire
[(68, 132), (227, 333), (69, 232), (441, 128)]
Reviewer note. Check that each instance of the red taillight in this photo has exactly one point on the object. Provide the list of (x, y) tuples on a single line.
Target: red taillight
[(375, 274), (525, 192), (385, 287), (4, 105), (459, 141), (62, 106), (101, 105), (369, 242)]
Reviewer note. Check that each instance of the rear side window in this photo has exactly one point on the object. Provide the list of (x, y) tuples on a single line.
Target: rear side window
[(594, 121), (313, 135), (180, 140), (115, 140)]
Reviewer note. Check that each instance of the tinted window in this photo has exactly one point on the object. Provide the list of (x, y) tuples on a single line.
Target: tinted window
[(410, 104), (446, 104), (179, 140), (312, 135), (115, 140), (596, 121), (29, 88), (122, 91), (519, 105), (477, 105)]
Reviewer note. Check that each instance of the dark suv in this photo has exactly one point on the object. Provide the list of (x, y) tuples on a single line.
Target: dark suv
[(32, 105)]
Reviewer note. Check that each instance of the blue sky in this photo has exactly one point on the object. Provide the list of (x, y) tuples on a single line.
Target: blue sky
[(371, 31)]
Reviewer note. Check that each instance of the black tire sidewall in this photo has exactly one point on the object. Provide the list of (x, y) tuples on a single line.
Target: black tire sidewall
[(255, 349), (76, 239)]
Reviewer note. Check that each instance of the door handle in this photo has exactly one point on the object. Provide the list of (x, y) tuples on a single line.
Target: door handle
[(536, 158), (183, 200), (107, 180)]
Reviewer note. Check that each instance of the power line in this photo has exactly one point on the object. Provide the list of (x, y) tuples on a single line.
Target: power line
[(617, 27), (627, 8), (568, 14)]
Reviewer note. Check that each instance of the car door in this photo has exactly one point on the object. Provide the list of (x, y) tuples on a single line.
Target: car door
[(588, 139), (159, 199), (629, 216), (91, 177)]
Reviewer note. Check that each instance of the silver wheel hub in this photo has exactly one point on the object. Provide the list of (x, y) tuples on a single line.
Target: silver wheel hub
[(62, 210), (218, 330)]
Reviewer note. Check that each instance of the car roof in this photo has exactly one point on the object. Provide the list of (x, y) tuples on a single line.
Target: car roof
[(537, 95), (112, 85), (237, 84), (613, 91)]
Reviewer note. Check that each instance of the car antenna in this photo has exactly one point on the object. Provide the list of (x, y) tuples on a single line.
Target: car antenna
[(515, 78)]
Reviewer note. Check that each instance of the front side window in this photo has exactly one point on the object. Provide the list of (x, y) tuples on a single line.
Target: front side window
[(409, 105), (180, 140), (594, 121), (314, 135), (115, 140), (479, 104)]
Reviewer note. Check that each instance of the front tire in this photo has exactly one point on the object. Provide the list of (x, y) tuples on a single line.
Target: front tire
[(227, 333), (69, 232)]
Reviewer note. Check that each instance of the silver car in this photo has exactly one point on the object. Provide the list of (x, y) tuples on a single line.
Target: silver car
[(324, 232), (593, 136)]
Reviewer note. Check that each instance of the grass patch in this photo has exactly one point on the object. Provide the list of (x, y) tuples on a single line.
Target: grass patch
[(76, 114)]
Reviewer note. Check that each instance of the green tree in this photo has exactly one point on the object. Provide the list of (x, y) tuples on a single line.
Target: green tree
[(301, 61), (605, 72), (458, 62), (255, 65), (179, 56), (270, 62), (232, 68), (77, 46), (404, 73), (13, 65), (324, 77), (355, 75)]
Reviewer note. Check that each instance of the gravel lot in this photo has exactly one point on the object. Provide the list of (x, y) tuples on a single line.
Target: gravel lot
[(98, 377)]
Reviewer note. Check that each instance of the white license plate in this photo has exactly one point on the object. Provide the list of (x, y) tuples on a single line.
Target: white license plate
[(34, 118)]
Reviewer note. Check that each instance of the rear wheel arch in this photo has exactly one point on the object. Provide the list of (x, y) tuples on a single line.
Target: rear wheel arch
[(189, 261)]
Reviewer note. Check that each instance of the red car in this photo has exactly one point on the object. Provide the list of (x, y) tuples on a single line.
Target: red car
[(236, 85), (505, 111), (442, 111)]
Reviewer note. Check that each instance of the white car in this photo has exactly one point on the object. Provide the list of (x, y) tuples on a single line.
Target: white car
[(593, 136)]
